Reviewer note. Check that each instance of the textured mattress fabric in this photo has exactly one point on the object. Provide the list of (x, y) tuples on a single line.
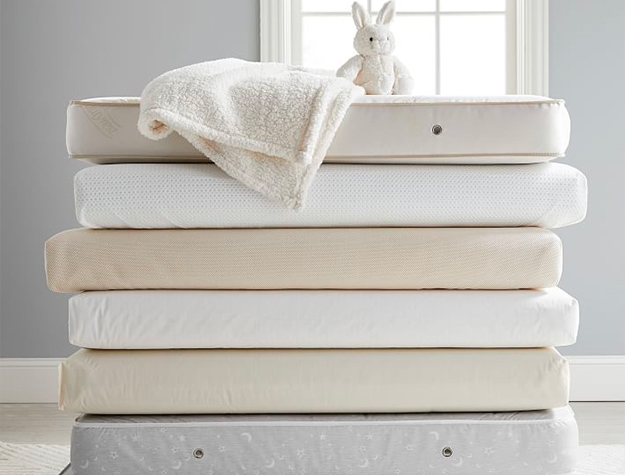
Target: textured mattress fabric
[(432, 129), (369, 258), (153, 319), (267, 381), (202, 196), (514, 443)]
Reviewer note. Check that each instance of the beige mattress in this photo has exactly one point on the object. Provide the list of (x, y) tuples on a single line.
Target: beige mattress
[(312, 381), (376, 129), (304, 258)]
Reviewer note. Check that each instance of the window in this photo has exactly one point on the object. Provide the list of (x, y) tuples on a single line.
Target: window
[(452, 47)]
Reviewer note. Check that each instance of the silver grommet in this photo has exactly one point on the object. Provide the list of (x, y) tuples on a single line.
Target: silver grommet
[(447, 452), (437, 129), (198, 453)]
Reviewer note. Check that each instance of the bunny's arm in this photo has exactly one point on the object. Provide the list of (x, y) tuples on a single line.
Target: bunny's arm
[(351, 68), (403, 80)]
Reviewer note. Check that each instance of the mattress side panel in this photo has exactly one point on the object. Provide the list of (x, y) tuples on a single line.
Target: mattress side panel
[(322, 319), (477, 129), (505, 132), (160, 196), (370, 258), (108, 132), (517, 449), (328, 381)]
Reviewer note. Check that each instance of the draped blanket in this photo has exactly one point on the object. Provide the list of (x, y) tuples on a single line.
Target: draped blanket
[(268, 125)]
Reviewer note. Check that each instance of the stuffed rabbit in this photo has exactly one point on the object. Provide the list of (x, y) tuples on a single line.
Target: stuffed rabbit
[(375, 68)]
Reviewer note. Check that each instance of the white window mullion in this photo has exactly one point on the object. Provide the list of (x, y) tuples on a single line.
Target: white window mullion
[(437, 45), (511, 47), (295, 15), (532, 47), (276, 36)]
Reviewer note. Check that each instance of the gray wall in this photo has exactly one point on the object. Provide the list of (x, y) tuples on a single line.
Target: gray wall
[(587, 58), (52, 52)]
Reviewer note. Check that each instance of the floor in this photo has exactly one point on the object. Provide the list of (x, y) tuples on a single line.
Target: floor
[(599, 423)]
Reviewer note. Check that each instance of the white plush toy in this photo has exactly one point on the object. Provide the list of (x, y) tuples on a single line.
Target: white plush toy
[(375, 68)]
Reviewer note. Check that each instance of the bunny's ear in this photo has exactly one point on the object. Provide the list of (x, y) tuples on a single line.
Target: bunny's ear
[(387, 13), (360, 15)]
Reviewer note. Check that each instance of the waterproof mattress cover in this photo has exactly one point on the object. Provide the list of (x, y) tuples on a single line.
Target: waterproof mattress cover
[(202, 196), (514, 443), (269, 381), (376, 129), (163, 319), (304, 258)]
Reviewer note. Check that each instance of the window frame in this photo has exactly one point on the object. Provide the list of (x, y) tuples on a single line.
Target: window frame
[(528, 56)]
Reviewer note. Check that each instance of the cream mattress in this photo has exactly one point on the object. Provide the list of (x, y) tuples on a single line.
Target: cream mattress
[(518, 443), (382, 129), (312, 381), (153, 319), (348, 258), (202, 196)]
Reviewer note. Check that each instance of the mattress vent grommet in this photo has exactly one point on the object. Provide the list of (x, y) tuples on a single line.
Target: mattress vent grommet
[(437, 129), (198, 453), (447, 452)]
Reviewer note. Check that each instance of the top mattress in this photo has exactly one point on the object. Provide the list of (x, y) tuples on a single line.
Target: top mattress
[(376, 129)]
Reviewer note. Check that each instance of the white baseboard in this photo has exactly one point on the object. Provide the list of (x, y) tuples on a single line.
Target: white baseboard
[(34, 380), (597, 378), (29, 380)]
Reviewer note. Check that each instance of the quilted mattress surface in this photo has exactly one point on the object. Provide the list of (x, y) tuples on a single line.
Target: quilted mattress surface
[(202, 196), (266, 381), (153, 319), (306, 258), (514, 443), (386, 129)]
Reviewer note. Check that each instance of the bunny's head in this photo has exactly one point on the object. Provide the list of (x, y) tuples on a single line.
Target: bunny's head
[(374, 38)]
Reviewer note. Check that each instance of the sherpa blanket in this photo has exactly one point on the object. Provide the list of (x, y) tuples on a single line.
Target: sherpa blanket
[(268, 125)]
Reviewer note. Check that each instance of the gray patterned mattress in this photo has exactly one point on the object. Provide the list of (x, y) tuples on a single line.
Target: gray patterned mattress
[(514, 443)]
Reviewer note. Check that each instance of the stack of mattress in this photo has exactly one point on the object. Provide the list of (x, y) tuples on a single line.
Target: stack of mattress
[(403, 322)]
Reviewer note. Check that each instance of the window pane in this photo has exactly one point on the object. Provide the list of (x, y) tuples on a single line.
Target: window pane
[(473, 5), (407, 5), (473, 54), (415, 40), (328, 5), (327, 41)]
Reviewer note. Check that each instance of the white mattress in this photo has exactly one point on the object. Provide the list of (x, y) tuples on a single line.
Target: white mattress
[(518, 443), (271, 381), (322, 319), (386, 129), (202, 196)]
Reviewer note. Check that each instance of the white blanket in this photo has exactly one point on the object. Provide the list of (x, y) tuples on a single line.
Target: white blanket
[(266, 124)]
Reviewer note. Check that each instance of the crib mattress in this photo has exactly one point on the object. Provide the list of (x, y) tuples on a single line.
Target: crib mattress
[(376, 129), (267, 381), (307, 258), (515, 443), (162, 319), (202, 196)]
